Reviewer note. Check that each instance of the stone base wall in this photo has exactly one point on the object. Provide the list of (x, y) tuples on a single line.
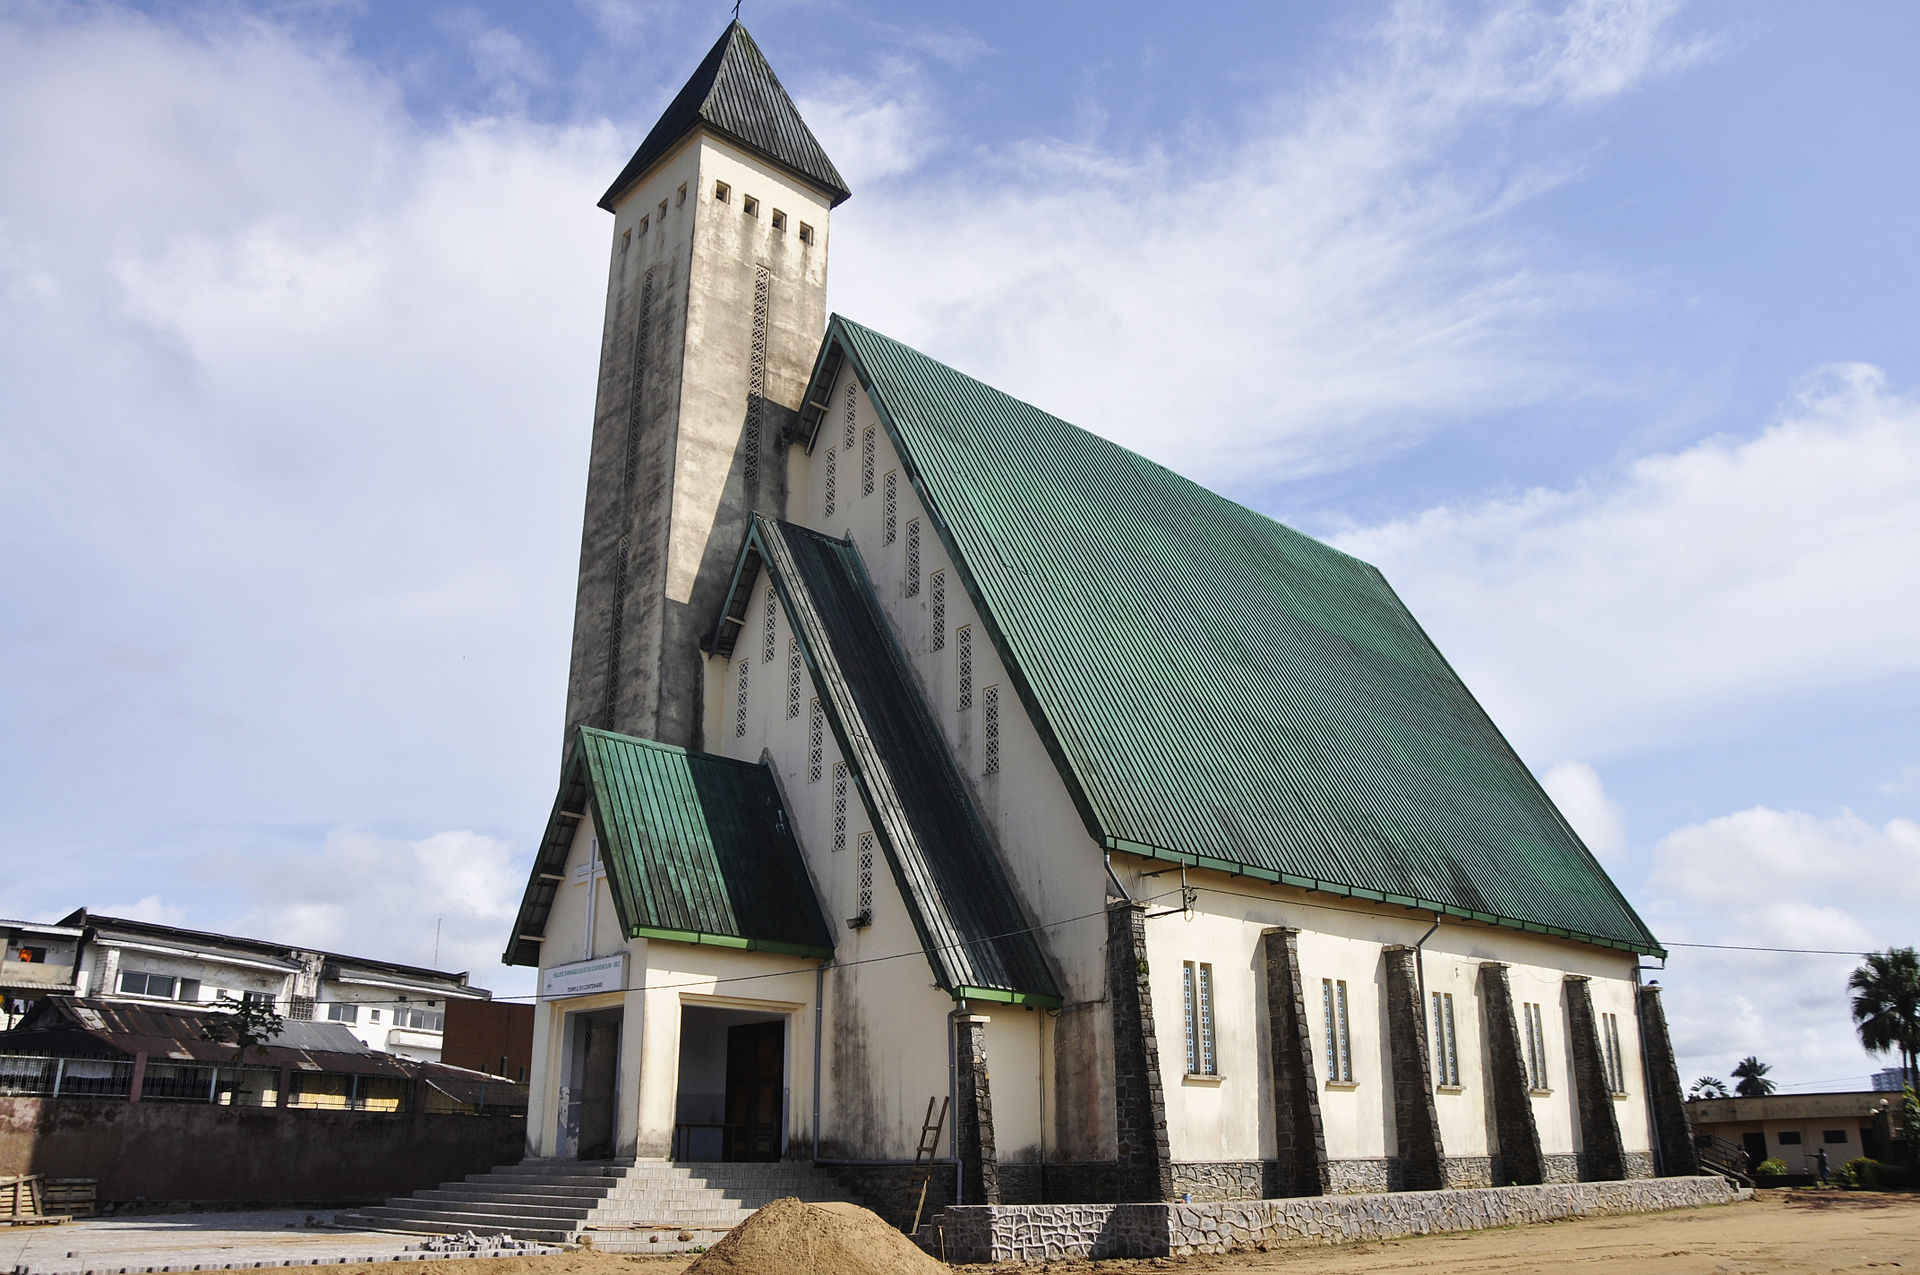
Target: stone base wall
[(892, 1190), (1639, 1164), (1034, 1233), (1363, 1177), (1223, 1179), (1562, 1168), (1466, 1172)]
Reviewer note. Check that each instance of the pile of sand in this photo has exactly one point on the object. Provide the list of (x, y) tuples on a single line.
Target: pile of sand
[(791, 1237)]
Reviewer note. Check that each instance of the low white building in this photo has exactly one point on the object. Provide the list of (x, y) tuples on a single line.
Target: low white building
[(38, 961), (923, 746), (399, 1009)]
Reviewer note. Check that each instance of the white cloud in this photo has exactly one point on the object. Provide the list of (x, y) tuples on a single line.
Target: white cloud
[(383, 897), (1344, 274), (148, 908), (1593, 617), (1787, 879), (1576, 788)]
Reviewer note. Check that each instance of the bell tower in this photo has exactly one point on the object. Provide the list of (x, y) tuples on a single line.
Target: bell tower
[(716, 299)]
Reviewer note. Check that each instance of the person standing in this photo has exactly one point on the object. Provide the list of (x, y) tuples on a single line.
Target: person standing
[(1820, 1161)]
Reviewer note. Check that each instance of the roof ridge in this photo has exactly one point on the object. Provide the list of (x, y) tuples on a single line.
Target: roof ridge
[(661, 746)]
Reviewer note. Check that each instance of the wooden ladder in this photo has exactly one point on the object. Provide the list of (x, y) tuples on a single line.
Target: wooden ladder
[(925, 1153)]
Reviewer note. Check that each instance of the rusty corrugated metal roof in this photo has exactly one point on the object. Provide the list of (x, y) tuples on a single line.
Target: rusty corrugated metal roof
[(70, 1024)]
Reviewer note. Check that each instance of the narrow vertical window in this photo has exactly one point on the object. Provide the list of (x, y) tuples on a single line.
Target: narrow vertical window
[(1333, 995), (937, 605), (1209, 1060), (816, 741), (863, 901), (771, 628), (795, 667), (839, 806), (990, 731), (833, 473), (1610, 1042), (1192, 1017), (740, 703), (866, 462), (850, 415), (1536, 1046), (889, 505), (963, 668), (1446, 1056), (913, 558)]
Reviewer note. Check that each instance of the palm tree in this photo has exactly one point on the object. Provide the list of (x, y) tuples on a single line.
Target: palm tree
[(1752, 1075), (1886, 1006), (1708, 1087)]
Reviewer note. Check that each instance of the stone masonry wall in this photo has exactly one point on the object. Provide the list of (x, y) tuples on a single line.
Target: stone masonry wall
[(1139, 1104), (973, 1120), (1300, 1139), (1600, 1147), (1518, 1137), (1035, 1233), (1416, 1123), (1672, 1130)]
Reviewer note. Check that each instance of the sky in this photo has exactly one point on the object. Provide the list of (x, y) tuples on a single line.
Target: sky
[(1593, 325)]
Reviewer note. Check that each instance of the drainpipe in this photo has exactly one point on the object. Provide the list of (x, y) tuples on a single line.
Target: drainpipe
[(1420, 964), (953, 1098), (819, 990)]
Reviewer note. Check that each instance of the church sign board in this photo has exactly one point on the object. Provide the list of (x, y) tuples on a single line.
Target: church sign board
[(584, 978)]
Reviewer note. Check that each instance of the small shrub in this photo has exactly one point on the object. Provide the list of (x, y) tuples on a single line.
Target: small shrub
[(1876, 1176), (1771, 1168)]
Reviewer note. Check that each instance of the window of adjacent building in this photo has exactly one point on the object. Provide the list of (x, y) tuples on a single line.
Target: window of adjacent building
[(721, 191), (816, 740), (1197, 990), (1536, 1034), (863, 898), (937, 608), (749, 205), (137, 983), (419, 1019), (779, 220), (913, 558), (866, 459), (1789, 1137), (373, 1015), (833, 474), (342, 1012), (1833, 1135), (839, 806), (963, 668), (1446, 1046), (990, 730), (795, 668), (1333, 997), (257, 998), (740, 703), (31, 955), (889, 505), (1610, 1046), (806, 233)]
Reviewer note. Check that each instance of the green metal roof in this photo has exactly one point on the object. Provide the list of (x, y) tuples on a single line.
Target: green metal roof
[(697, 850), (1216, 688), (978, 940)]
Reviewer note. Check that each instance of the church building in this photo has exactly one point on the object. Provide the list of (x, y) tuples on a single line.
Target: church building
[(925, 751)]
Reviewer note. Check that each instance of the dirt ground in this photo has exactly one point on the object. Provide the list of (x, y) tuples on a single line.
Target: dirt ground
[(1775, 1233)]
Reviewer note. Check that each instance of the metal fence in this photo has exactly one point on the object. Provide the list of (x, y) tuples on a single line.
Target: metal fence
[(32, 1077)]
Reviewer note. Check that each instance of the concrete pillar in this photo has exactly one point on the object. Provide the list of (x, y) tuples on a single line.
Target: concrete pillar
[(655, 1071), (973, 1121), (138, 1080), (1672, 1132), (1300, 1140), (1416, 1122), (1145, 1165), (1601, 1156), (1519, 1138)]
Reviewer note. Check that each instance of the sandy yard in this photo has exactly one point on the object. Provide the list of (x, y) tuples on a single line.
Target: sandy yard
[(1776, 1233)]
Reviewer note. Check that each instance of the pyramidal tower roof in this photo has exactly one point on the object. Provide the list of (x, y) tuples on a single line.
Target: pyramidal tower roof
[(735, 93)]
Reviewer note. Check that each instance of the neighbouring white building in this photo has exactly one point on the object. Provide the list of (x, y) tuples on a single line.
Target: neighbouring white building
[(921, 745), (38, 961), (398, 1009)]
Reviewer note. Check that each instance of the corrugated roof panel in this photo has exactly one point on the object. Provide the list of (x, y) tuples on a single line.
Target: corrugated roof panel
[(957, 891), (1216, 685)]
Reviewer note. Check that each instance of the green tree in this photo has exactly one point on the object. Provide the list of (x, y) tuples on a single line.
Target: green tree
[(245, 1025), (1708, 1087), (1886, 1007), (1752, 1075)]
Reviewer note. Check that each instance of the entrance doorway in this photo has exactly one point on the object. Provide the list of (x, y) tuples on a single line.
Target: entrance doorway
[(1756, 1145), (732, 1099), (591, 1107)]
